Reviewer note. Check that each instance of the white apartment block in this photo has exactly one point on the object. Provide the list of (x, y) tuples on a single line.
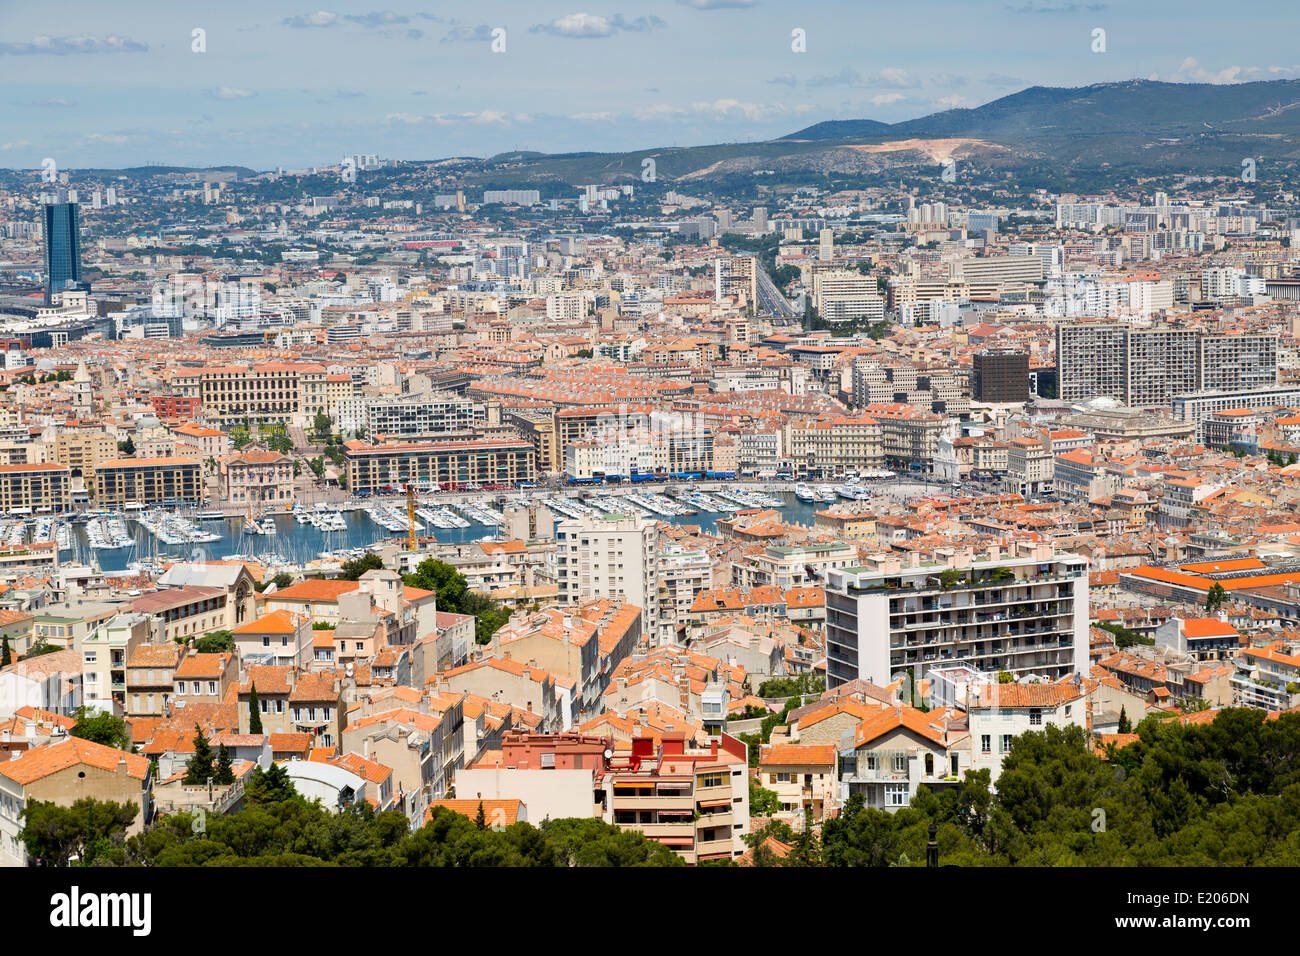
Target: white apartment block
[(610, 556), (1025, 614)]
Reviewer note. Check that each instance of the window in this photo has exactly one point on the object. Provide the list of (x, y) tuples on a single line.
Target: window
[(781, 777), (900, 763), (896, 795), (986, 745), (90, 657), (212, 687), (1006, 743), (871, 761), (1035, 718), (266, 640), (929, 765)]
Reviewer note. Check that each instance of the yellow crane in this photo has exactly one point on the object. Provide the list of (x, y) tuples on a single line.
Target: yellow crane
[(410, 517)]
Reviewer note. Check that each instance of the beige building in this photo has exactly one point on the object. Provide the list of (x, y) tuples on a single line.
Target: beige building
[(35, 488), (256, 476), (147, 481), (82, 451), (62, 773)]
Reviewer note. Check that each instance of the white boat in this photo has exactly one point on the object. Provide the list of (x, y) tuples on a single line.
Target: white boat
[(804, 493), (825, 493)]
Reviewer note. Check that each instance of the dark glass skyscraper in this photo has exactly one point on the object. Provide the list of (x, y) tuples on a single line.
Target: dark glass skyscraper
[(62, 248)]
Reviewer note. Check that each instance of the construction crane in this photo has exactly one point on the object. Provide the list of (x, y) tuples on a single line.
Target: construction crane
[(410, 517)]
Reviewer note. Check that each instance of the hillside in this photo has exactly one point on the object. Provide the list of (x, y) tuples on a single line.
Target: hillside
[(1138, 127)]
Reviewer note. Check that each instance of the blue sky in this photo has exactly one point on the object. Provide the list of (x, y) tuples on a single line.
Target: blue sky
[(287, 83)]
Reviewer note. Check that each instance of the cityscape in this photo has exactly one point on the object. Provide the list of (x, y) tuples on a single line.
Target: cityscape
[(786, 487)]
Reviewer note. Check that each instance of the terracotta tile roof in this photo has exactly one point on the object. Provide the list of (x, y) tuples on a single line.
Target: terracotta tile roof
[(796, 755), (41, 762)]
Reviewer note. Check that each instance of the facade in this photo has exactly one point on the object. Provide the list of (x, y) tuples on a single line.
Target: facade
[(1148, 367), (1000, 377), (505, 462), (256, 476), (35, 488), (64, 772), (610, 556), (148, 481), (62, 248), (1021, 614)]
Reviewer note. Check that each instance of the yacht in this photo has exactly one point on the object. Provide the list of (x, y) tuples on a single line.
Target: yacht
[(211, 515), (804, 493), (826, 493)]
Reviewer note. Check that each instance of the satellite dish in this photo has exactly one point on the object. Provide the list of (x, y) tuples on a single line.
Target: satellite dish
[(608, 753)]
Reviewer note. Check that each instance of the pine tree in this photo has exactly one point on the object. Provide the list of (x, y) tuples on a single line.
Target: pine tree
[(480, 818), (223, 773), (6, 656), (199, 769), (1125, 725), (254, 710)]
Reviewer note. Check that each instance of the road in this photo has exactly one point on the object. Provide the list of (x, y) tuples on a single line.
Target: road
[(770, 297)]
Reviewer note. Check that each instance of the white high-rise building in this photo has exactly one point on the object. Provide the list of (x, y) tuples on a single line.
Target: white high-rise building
[(610, 556)]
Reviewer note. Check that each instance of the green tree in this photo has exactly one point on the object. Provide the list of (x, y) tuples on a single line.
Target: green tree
[(269, 786), (223, 773), (93, 831), (127, 447), (1125, 725), (101, 728), (6, 656), (763, 802), (353, 569), (198, 770), (1215, 597), (214, 642), (254, 710)]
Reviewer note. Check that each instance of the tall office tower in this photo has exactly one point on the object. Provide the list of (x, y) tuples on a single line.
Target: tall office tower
[(1000, 377), (826, 252), (1023, 613), (610, 556), (62, 249), (760, 218)]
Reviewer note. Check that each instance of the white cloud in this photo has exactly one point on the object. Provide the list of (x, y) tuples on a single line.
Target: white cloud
[(321, 18), (68, 46), (230, 93), (15, 145), (884, 99)]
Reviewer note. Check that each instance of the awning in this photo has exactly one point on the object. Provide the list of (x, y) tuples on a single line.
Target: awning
[(640, 784), (675, 841), (715, 803)]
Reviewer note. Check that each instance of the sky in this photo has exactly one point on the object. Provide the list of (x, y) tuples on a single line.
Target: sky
[(283, 83)]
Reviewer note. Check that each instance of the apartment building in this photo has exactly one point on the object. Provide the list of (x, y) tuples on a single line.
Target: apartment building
[(1023, 613), (792, 566), (104, 653), (833, 445), (610, 556), (270, 392), (374, 467), (998, 713), (148, 481), (64, 772), (42, 488), (804, 778), (82, 450), (894, 752), (427, 415), (736, 276), (693, 800), (1149, 367), (909, 438)]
